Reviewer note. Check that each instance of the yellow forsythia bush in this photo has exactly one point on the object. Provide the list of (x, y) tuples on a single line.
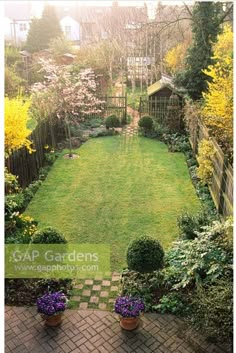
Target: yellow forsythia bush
[(217, 109), (16, 132), (205, 155), (174, 58)]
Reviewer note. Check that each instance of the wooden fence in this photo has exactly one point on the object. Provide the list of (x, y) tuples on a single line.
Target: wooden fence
[(221, 185), (25, 165)]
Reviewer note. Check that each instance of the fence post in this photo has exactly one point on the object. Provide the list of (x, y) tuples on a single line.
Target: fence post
[(126, 106), (195, 136), (223, 186), (140, 105)]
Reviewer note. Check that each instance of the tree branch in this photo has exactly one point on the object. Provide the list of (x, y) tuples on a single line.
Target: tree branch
[(188, 10), (226, 14)]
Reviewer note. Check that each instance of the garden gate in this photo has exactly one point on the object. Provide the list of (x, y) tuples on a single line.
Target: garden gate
[(116, 105)]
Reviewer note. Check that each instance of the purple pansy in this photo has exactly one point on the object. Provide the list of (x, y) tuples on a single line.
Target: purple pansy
[(129, 306), (52, 303)]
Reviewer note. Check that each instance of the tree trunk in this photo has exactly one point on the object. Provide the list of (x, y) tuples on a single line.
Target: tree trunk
[(69, 135)]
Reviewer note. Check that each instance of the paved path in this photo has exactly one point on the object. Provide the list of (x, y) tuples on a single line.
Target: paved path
[(97, 293), (132, 128), (90, 331)]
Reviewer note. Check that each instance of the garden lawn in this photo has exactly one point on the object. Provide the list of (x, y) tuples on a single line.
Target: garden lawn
[(119, 189)]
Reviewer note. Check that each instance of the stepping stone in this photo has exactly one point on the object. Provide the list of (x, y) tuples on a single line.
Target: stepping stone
[(106, 283), (104, 294), (115, 278), (76, 298), (79, 286), (111, 301), (114, 288), (86, 293), (94, 300), (102, 306), (116, 274), (89, 282), (96, 287), (83, 306)]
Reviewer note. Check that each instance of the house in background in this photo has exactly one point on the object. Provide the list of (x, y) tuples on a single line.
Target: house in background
[(71, 29), (81, 25)]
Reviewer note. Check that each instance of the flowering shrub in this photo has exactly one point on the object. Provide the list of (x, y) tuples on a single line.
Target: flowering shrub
[(52, 303), (11, 182), (51, 155), (16, 114), (129, 306), (206, 152), (19, 228)]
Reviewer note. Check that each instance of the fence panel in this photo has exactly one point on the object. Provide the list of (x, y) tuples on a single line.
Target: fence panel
[(25, 165), (221, 185), (116, 105)]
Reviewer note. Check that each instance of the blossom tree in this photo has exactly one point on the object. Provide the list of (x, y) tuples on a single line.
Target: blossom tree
[(70, 95)]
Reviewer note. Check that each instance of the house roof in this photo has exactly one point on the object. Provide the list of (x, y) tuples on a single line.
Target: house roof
[(95, 14), (165, 81), (25, 53), (68, 55)]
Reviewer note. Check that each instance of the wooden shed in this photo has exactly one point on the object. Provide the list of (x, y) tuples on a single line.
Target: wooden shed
[(66, 59), (163, 88), (165, 102)]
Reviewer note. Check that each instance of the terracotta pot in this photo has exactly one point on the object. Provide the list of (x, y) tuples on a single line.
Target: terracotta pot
[(54, 320), (129, 323)]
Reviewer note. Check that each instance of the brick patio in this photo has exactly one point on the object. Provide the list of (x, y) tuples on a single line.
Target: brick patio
[(94, 331)]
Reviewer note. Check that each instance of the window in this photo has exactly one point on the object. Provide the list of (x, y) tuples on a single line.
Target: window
[(23, 27), (68, 31)]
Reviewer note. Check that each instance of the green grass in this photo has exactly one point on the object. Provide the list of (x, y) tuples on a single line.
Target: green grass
[(119, 189), (133, 99)]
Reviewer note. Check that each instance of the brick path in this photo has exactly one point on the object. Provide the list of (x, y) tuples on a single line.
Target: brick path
[(90, 331)]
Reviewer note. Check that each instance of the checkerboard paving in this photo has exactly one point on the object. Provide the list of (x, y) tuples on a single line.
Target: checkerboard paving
[(97, 293), (130, 131)]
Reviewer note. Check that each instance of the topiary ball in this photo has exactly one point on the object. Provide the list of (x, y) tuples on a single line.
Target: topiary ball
[(146, 122), (112, 121), (48, 235), (145, 255)]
